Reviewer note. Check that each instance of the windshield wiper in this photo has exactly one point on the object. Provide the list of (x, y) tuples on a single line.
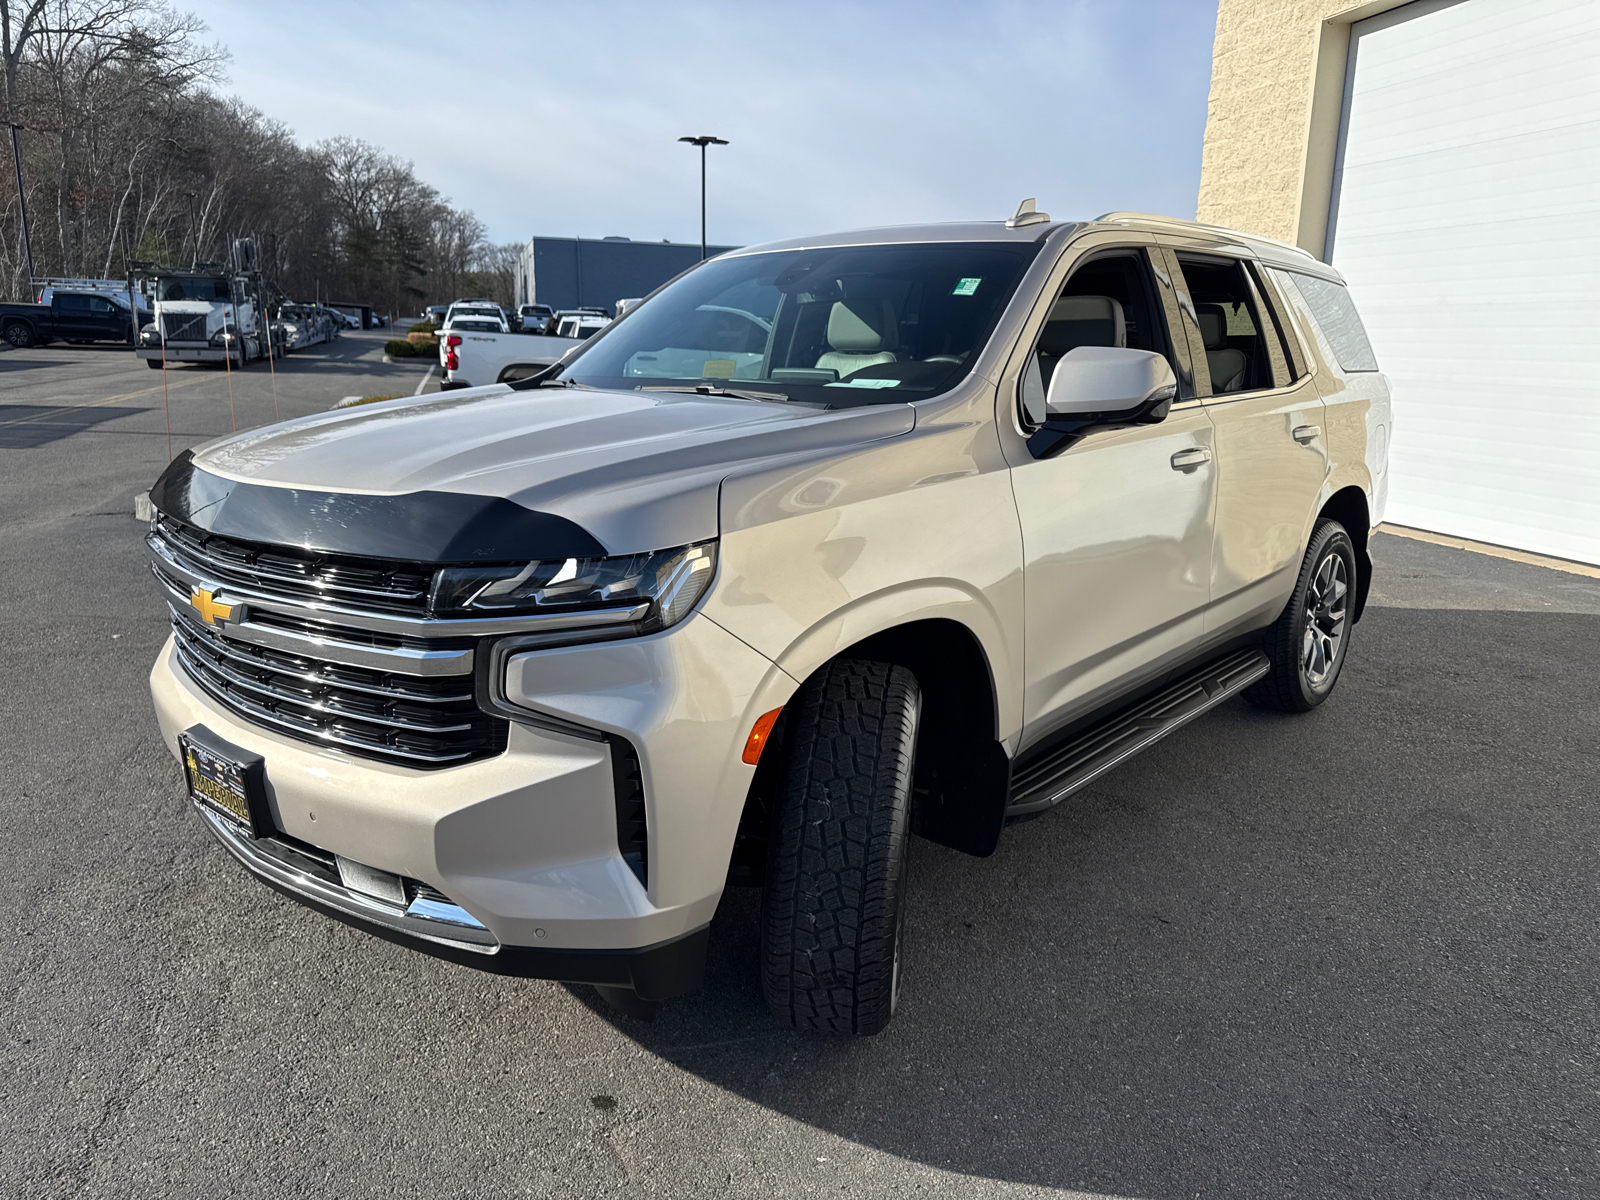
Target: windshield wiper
[(705, 389)]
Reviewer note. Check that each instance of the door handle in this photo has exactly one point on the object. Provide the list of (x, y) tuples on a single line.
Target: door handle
[(1188, 460), (1306, 434)]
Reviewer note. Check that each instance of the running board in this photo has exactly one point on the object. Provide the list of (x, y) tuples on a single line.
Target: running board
[(1080, 760)]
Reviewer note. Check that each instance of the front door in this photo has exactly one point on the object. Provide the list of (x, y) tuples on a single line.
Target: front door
[(1116, 527), (1270, 441)]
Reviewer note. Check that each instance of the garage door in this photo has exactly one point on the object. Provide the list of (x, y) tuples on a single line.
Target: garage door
[(1467, 220)]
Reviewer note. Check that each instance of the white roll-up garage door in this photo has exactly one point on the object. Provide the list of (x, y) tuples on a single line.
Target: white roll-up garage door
[(1467, 220)]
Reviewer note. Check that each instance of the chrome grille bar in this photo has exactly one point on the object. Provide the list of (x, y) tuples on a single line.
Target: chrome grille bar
[(304, 700)]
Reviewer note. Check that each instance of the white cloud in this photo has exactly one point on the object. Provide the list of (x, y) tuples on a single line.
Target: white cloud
[(563, 119)]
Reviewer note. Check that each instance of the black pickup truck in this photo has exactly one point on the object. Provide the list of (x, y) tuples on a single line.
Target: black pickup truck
[(70, 316)]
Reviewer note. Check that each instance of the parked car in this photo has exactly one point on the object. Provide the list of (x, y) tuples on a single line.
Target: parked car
[(474, 308), (69, 316), (830, 543), (580, 324), (536, 318), (435, 313)]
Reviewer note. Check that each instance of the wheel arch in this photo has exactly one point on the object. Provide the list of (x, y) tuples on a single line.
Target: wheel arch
[(1349, 507), (963, 772)]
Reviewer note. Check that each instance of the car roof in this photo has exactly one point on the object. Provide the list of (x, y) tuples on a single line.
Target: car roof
[(1267, 249)]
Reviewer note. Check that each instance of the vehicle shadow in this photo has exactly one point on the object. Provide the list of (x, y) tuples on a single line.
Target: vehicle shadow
[(1349, 952)]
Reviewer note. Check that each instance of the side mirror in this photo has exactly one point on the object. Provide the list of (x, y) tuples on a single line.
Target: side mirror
[(1110, 383)]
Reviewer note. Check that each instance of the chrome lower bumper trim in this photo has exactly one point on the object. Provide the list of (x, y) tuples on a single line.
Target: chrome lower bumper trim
[(425, 919)]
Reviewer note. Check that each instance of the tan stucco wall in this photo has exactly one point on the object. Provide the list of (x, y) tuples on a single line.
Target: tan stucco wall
[(1272, 122)]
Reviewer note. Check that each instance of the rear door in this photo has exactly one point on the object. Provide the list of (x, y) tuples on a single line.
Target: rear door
[(1116, 526), (1271, 444), (108, 321)]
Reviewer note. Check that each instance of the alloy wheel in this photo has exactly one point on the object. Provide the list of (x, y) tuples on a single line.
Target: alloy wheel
[(1326, 621)]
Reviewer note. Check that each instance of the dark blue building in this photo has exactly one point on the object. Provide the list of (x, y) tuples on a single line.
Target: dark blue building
[(597, 272)]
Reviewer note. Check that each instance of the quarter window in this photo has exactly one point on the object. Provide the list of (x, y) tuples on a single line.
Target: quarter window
[(1335, 313)]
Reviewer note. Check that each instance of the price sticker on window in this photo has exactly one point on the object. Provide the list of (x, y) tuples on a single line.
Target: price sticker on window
[(967, 287)]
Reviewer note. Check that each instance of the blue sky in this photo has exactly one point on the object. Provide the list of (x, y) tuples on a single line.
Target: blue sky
[(563, 119)]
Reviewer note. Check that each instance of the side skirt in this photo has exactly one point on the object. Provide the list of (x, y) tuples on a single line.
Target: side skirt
[(1040, 781)]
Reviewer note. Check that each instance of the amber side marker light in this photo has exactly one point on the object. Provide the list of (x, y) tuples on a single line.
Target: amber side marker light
[(759, 733)]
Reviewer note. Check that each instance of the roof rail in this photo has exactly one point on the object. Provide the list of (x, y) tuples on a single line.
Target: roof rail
[(1158, 219)]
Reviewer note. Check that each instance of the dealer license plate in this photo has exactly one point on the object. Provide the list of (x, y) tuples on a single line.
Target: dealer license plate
[(225, 779)]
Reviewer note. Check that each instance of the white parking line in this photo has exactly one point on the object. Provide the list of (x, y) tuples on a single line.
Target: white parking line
[(424, 382)]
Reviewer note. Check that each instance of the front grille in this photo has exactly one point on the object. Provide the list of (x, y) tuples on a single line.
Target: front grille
[(305, 576), (187, 327), (407, 720)]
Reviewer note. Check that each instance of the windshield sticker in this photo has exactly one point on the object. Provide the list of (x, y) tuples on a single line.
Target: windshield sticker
[(718, 368), (865, 383), (967, 287)]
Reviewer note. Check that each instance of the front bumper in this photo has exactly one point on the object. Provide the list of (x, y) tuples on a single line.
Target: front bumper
[(656, 972), (184, 353), (525, 842)]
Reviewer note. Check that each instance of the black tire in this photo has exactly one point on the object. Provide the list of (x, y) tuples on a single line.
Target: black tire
[(833, 908), (19, 335), (1310, 641), (153, 363)]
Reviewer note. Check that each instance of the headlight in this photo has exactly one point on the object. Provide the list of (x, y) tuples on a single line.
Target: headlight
[(150, 336), (221, 336), (669, 581)]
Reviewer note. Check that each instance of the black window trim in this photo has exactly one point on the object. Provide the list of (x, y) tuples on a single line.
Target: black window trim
[(1299, 361)]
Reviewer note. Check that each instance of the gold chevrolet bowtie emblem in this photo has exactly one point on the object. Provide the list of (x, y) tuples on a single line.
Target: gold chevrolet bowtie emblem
[(210, 611)]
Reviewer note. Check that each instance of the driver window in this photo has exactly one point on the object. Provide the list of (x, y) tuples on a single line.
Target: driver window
[(1105, 302)]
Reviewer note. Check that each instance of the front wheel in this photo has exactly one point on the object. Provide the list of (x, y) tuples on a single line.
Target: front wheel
[(833, 908), (1308, 643)]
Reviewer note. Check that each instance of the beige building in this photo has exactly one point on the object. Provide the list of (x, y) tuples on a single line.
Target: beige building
[(1444, 155)]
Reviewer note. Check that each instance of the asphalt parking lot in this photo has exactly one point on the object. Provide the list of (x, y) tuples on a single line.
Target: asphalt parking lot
[(1352, 953)]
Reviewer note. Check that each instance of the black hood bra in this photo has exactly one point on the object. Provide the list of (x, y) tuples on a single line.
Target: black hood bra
[(428, 527)]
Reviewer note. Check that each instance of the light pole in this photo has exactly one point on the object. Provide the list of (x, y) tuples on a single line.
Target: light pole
[(22, 203), (703, 141)]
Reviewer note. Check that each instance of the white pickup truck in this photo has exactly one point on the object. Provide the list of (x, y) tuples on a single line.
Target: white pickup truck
[(470, 358)]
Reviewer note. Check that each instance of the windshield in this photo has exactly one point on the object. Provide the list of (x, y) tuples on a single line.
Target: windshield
[(837, 326), (193, 289)]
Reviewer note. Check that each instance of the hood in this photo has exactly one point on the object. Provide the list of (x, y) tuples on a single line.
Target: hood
[(193, 306), (636, 471)]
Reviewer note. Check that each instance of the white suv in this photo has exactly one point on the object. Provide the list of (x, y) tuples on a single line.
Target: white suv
[(828, 543)]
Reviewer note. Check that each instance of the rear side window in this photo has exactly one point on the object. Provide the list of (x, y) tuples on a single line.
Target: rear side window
[(1335, 312), (1239, 355)]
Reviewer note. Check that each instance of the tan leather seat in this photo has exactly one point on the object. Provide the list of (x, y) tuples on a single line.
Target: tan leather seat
[(1078, 321), (1227, 366), (862, 332), (1083, 321)]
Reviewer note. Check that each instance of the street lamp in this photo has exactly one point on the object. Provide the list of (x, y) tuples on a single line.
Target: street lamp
[(703, 141)]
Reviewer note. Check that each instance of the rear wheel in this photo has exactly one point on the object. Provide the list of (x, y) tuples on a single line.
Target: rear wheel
[(833, 909), (1309, 641), (19, 335)]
